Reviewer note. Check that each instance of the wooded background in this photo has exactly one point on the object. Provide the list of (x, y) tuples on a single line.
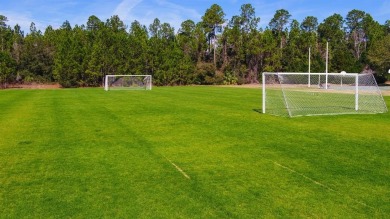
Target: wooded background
[(215, 50)]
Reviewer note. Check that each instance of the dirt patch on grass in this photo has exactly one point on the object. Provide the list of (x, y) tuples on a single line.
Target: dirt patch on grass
[(34, 86), (258, 86), (386, 92)]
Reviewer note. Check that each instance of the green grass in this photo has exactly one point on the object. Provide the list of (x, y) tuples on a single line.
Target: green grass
[(87, 153)]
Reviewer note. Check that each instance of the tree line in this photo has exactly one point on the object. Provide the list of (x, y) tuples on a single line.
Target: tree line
[(212, 51)]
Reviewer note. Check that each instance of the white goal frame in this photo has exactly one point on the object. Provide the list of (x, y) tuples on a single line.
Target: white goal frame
[(146, 83), (306, 94)]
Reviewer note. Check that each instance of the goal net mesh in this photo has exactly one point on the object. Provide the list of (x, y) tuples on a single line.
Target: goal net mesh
[(303, 94), (128, 82)]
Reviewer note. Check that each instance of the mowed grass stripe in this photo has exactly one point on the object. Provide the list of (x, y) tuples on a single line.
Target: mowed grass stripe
[(101, 154), (16, 107), (197, 148), (145, 174), (276, 141), (86, 164), (300, 137), (165, 127), (21, 156)]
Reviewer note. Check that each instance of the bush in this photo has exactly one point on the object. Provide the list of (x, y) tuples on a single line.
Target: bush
[(229, 78), (205, 73)]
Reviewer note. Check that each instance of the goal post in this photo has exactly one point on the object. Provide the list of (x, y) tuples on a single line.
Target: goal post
[(127, 82), (304, 94)]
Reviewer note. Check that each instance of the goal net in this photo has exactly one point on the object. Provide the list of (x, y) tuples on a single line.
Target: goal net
[(304, 94), (128, 82)]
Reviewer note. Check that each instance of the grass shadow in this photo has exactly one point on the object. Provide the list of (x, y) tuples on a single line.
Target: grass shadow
[(258, 111)]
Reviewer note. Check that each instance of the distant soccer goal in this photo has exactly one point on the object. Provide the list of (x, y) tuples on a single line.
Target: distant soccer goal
[(304, 94), (128, 82)]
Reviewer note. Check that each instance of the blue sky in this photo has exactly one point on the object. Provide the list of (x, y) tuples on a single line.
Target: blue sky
[(54, 13)]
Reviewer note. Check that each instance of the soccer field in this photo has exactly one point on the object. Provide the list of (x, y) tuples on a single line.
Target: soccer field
[(185, 152)]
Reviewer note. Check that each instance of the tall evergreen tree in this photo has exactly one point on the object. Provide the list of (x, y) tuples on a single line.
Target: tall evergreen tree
[(294, 54), (68, 61), (355, 32), (138, 49), (278, 24), (7, 63), (379, 55), (251, 44), (309, 42), (212, 20), (332, 31)]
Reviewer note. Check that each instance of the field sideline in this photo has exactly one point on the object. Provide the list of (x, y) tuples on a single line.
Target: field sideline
[(185, 152)]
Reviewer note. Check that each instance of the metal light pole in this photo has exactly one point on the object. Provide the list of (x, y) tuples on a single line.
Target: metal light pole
[(326, 65), (309, 66)]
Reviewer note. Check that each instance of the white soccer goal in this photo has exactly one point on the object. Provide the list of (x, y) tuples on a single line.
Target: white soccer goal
[(128, 82), (304, 94)]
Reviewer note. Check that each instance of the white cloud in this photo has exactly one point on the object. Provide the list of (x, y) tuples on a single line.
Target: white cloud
[(124, 8), (178, 9), (175, 14), (145, 11)]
